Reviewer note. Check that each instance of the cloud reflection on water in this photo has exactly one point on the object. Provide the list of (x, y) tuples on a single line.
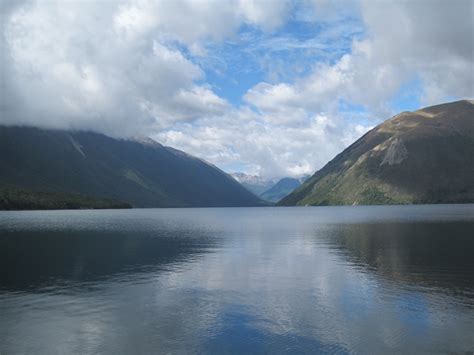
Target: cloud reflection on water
[(217, 280)]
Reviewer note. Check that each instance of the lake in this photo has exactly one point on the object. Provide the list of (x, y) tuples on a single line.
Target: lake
[(380, 279)]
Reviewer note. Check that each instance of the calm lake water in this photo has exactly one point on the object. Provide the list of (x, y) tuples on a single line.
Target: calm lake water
[(238, 280)]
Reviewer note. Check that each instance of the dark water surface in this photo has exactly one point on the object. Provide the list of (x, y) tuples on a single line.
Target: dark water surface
[(238, 280)]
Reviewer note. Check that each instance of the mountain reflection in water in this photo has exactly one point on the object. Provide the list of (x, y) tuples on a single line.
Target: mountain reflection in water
[(232, 280), (438, 256)]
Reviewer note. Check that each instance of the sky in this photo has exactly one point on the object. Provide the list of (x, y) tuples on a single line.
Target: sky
[(269, 88)]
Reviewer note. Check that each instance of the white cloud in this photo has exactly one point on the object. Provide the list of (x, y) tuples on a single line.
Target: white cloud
[(315, 93), (433, 40), (267, 14), (184, 20), (68, 69), (113, 67), (264, 146), (190, 21), (135, 67), (405, 41)]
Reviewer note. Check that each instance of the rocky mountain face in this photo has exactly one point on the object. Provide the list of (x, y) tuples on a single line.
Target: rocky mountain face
[(425, 156)]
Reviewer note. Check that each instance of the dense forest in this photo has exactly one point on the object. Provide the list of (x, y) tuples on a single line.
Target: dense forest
[(14, 198)]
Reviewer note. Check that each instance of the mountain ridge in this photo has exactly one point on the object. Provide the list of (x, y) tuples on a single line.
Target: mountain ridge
[(424, 156), (282, 188), (144, 174)]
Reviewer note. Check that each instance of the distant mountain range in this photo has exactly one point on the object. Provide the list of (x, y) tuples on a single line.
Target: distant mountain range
[(254, 183), (65, 168), (282, 188), (271, 190), (426, 156)]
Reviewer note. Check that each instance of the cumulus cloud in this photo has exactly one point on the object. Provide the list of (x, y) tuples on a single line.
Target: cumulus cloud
[(114, 67), (141, 67), (70, 69), (433, 40), (266, 147), (263, 13), (429, 41), (313, 93)]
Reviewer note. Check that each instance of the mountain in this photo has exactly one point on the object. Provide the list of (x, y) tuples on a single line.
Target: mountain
[(142, 173), (282, 188), (271, 190), (254, 183), (425, 156)]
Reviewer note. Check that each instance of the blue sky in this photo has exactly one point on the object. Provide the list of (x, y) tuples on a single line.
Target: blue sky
[(271, 88), (236, 65)]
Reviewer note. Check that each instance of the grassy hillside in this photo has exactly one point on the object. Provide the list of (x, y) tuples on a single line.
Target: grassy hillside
[(426, 156)]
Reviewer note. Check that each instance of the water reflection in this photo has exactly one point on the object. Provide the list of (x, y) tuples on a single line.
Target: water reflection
[(384, 280), (30, 261), (434, 255)]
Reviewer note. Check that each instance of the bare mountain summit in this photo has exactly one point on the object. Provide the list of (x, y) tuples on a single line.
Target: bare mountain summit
[(426, 156)]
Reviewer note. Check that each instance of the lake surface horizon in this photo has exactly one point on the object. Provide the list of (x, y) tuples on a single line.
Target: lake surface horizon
[(342, 279)]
